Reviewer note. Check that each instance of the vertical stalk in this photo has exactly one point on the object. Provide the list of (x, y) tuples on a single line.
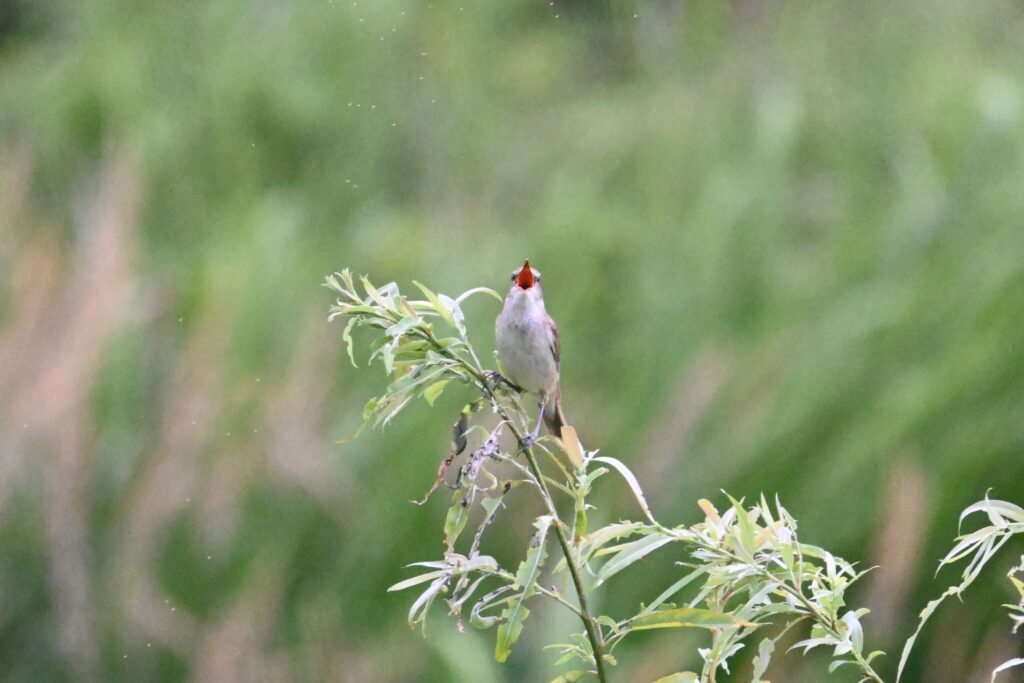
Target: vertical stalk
[(593, 633), (589, 624)]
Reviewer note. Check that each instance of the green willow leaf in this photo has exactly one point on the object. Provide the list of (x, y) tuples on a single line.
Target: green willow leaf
[(455, 520), (346, 336), (375, 294), (431, 393), (764, 656), (570, 677), (416, 580), (681, 677), (673, 589), (526, 581), (630, 553), (686, 617), (435, 301), (478, 290), (1008, 664), (403, 326), (631, 479), (510, 630), (419, 609)]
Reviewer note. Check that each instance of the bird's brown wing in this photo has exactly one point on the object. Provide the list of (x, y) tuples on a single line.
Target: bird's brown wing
[(556, 342)]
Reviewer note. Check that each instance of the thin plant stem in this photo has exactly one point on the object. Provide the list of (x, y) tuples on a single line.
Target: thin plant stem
[(589, 623)]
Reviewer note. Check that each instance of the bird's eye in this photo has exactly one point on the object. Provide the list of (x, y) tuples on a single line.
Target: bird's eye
[(514, 275)]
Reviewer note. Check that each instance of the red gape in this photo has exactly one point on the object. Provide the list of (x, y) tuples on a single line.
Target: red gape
[(525, 276)]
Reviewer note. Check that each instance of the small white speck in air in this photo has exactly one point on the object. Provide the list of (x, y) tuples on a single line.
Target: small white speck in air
[(174, 609), (393, 125), (635, 16), (124, 656), (181, 320), (149, 644), (373, 106), (347, 181), (258, 379), (350, 104), (433, 101), (423, 54), (209, 557)]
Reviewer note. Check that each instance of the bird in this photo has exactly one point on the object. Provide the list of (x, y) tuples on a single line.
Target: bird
[(529, 347)]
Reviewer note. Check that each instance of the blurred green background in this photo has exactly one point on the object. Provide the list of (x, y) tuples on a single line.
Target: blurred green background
[(783, 242)]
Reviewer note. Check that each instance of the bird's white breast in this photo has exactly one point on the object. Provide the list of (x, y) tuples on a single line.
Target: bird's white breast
[(524, 342)]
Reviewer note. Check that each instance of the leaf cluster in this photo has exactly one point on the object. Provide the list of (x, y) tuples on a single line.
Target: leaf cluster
[(745, 575)]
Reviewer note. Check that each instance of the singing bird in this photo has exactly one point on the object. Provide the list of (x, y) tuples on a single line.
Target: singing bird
[(529, 347)]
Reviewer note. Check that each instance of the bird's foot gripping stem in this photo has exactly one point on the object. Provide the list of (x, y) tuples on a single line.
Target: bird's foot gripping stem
[(531, 438), (497, 379)]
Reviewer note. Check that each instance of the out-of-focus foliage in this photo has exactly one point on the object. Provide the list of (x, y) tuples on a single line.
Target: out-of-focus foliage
[(782, 242)]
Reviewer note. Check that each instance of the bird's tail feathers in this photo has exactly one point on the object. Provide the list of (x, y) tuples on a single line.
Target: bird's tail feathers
[(554, 418)]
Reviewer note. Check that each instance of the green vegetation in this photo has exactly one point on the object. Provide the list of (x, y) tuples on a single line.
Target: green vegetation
[(782, 243)]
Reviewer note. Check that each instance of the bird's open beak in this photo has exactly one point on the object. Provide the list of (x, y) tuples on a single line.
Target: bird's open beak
[(526, 279)]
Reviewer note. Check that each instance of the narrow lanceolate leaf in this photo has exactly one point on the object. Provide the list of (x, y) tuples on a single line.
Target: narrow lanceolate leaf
[(1008, 664), (435, 301), (999, 511), (346, 336), (454, 313), (431, 393), (419, 609), (570, 677), (686, 617), (403, 326), (376, 295), (681, 677), (630, 553), (672, 590), (526, 581), (455, 521), (573, 447), (478, 290), (631, 479), (529, 569), (764, 656), (510, 630), (927, 612), (422, 578)]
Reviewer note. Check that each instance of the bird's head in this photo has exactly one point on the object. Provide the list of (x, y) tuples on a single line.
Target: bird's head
[(525, 284)]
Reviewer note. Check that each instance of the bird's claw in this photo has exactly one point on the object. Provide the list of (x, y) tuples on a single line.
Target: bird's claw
[(497, 379), (527, 441)]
